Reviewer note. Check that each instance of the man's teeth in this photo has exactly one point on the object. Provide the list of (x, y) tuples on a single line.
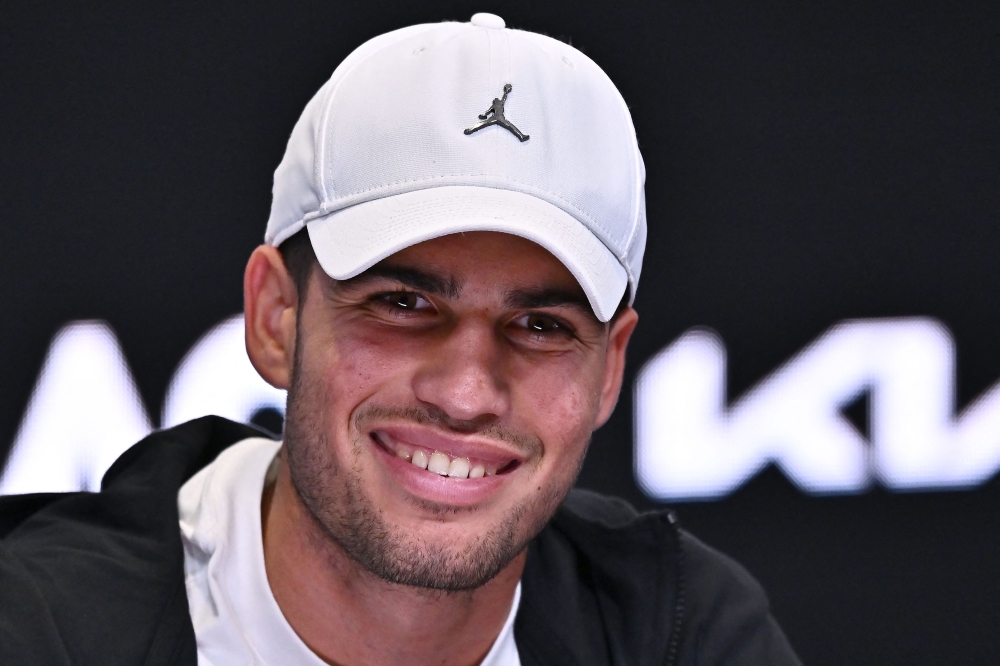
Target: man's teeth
[(439, 464), (419, 459), (459, 468), (443, 464)]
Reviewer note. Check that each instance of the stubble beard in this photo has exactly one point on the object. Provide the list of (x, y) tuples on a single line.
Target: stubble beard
[(335, 497)]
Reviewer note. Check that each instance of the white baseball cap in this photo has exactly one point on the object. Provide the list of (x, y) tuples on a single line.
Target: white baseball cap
[(442, 128)]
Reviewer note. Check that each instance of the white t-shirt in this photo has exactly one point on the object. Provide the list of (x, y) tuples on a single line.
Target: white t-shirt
[(236, 619)]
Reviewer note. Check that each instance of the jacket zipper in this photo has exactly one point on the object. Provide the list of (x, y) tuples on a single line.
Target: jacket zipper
[(676, 630)]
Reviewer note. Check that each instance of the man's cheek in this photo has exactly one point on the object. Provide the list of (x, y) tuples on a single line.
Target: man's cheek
[(565, 401), (563, 417), (355, 365)]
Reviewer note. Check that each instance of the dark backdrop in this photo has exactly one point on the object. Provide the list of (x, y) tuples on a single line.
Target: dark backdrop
[(807, 163)]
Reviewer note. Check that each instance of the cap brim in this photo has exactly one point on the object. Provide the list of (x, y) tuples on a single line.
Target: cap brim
[(349, 241)]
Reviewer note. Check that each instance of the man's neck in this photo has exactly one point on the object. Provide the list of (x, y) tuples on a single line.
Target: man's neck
[(347, 616)]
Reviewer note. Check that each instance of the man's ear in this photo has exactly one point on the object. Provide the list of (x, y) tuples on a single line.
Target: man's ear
[(614, 363), (270, 307)]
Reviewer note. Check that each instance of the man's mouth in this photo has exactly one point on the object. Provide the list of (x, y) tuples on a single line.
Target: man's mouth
[(446, 458)]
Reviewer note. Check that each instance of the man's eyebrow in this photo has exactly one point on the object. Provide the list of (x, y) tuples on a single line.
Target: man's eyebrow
[(425, 281), (546, 298)]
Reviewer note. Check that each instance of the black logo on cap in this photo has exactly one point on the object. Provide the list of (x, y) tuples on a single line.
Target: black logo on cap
[(494, 116)]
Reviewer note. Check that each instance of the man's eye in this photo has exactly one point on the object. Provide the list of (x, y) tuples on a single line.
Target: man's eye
[(539, 324), (405, 300)]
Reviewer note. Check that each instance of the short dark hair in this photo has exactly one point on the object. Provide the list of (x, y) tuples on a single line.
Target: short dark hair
[(300, 260)]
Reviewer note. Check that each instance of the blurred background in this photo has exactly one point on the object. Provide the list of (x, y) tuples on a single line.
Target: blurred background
[(814, 381)]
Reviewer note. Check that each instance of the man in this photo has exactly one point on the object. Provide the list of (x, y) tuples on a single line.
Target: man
[(448, 305)]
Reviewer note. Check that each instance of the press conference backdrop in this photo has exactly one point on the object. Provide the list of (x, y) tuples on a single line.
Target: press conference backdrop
[(814, 381)]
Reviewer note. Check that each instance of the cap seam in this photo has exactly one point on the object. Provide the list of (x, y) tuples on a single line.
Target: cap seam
[(633, 167), (320, 148), (510, 74)]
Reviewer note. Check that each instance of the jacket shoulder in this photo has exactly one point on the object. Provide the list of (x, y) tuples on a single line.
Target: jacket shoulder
[(607, 584), (15, 509), (99, 577), (600, 586), (729, 619)]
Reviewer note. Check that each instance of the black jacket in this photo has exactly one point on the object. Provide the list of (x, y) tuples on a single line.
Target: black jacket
[(98, 578)]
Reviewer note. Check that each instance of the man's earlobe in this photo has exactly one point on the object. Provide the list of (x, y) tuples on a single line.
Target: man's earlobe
[(270, 308), (614, 369)]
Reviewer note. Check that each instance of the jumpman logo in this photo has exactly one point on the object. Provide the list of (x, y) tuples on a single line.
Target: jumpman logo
[(496, 110)]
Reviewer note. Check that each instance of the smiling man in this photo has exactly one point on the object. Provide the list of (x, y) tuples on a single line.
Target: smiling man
[(440, 405), (446, 294)]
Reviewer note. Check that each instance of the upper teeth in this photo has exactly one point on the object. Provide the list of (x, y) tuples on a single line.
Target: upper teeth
[(443, 464), (439, 463)]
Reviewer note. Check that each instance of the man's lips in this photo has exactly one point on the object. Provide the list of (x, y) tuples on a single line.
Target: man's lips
[(446, 454)]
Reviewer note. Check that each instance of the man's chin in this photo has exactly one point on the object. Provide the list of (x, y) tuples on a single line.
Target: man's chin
[(433, 558)]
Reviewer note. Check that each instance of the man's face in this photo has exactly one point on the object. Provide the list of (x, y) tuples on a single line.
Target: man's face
[(441, 404)]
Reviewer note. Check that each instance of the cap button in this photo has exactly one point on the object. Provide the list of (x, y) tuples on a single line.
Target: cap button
[(484, 20)]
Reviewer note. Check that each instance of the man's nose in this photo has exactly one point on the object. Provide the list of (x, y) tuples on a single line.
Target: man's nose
[(462, 375)]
